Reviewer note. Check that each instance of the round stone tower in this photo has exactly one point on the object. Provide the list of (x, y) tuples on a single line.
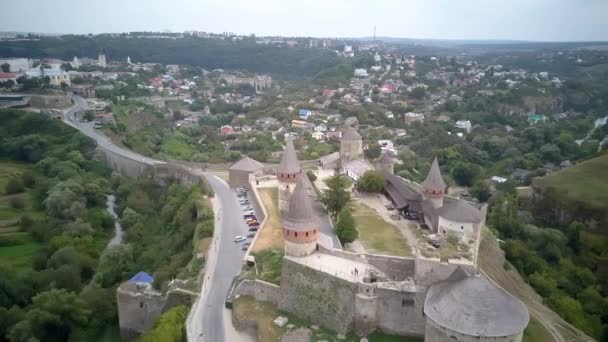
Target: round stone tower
[(473, 309), (351, 146), (433, 187), (387, 162), (300, 224), (287, 172)]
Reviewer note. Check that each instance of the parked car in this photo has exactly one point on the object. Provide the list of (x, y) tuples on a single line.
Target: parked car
[(249, 213), (245, 248), (239, 238), (253, 223), (410, 215), (250, 235), (249, 208), (254, 229), (247, 244)]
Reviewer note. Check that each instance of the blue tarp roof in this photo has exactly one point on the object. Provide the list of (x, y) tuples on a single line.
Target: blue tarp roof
[(141, 277), (304, 111)]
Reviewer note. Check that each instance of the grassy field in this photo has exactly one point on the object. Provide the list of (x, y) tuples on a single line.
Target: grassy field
[(271, 234), (583, 184), (377, 235), (17, 254), (269, 263), (535, 332)]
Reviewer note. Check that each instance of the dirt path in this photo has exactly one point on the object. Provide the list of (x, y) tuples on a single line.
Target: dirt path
[(492, 261)]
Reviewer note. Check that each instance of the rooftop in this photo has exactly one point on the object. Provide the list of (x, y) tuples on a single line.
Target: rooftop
[(289, 162), (433, 179), (247, 164), (474, 306), (300, 214)]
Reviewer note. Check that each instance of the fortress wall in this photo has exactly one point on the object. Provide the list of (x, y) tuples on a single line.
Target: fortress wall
[(341, 253), (123, 165), (366, 318), (395, 268), (400, 312), (51, 101), (317, 296), (260, 290)]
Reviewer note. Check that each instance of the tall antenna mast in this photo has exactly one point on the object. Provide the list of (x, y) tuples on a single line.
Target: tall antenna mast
[(374, 33)]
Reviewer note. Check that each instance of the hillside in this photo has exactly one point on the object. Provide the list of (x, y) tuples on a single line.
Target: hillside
[(581, 190)]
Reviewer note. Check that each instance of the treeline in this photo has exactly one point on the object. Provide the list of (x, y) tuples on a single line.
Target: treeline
[(206, 53)]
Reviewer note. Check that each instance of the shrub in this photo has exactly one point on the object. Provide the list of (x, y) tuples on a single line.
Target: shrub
[(17, 202), (371, 181)]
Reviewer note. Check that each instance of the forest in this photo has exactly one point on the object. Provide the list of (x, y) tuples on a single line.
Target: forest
[(58, 277), (288, 63)]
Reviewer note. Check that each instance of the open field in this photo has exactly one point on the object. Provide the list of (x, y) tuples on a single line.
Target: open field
[(584, 184), (535, 332), (269, 263), (377, 235), (271, 234)]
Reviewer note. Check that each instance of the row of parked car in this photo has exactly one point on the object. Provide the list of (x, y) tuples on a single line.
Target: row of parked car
[(249, 217)]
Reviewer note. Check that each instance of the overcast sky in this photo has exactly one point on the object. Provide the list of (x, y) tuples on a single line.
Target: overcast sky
[(552, 20)]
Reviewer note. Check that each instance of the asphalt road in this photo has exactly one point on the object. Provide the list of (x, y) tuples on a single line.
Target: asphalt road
[(208, 321), (228, 263)]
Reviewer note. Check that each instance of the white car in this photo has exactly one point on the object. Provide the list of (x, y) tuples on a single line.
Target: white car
[(239, 238)]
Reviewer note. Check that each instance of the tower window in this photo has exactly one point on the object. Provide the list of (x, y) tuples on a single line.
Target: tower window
[(296, 234), (306, 234), (461, 227)]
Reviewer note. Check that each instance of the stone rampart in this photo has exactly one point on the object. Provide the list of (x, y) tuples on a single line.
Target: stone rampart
[(317, 296), (124, 165), (260, 290), (50, 101)]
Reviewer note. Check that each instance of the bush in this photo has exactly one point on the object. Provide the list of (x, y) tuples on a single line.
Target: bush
[(14, 186), (311, 175), (371, 181), (28, 179), (17, 202)]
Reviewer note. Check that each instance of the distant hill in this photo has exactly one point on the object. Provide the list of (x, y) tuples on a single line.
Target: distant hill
[(579, 192)]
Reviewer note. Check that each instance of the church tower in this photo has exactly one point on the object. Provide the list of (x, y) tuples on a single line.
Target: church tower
[(300, 224), (433, 187), (351, 146), (287, 172)]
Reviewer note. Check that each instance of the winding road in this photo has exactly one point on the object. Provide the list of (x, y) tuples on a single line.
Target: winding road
[(208, 320)]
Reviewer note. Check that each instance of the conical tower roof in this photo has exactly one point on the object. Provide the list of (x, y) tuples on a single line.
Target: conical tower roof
[(300, 214), (351, 134), (247, 164), (433, 179), (289, 162)]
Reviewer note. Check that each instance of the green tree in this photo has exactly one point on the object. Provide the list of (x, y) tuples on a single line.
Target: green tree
[(464, 173), (311, 175), (115, 264), (346, 228), (336, 197), (5, 67), (13, 186), (373, 151), (169, 327), (54, 314), (418, 93), (89, 115), (371, 181)]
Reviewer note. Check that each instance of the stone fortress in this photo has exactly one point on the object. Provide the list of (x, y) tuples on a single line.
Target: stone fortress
[(424, 295)]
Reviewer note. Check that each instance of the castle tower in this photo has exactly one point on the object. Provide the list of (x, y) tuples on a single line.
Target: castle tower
[(300, 225), (433, 187), (287, 172), (101, 59), (128, 60), (387, 162), (351, 146)]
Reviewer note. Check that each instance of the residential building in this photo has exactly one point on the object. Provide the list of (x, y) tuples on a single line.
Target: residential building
[(57, 77), (304, 114), (17, 64), (360, 73), (413, 117), (307, 126), (226, 130), (464, 124)]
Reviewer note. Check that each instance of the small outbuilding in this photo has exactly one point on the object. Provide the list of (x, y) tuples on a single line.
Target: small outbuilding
[(239, 174)]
